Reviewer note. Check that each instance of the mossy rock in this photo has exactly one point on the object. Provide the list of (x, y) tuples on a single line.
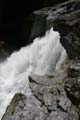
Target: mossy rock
[(11, 108)]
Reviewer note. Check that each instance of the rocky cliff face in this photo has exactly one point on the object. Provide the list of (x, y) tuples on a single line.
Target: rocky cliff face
[(54, 97), (65, 18), (12, 16)]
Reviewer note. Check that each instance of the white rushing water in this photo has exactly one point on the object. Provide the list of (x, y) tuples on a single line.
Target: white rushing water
[(43, 56)]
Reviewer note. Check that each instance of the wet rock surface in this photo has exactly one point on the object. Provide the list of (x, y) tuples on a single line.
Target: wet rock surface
[(53, 97), (65, 18), (72, 84), (48, 102)]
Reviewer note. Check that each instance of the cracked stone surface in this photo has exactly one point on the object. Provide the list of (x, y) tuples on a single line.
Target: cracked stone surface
[(48, 102)]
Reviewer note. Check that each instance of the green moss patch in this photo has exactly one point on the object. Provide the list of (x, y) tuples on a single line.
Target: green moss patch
[(15, 101)]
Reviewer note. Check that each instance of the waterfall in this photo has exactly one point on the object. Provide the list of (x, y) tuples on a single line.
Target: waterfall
[(44, 56)]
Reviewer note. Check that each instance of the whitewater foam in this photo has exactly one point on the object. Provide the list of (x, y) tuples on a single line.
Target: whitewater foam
[(44, 56)]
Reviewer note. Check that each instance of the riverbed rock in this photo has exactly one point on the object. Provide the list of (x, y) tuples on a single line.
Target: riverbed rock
[(48, 102)]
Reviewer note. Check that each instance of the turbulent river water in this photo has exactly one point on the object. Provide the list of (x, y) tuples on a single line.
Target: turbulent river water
[(44, 56)]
